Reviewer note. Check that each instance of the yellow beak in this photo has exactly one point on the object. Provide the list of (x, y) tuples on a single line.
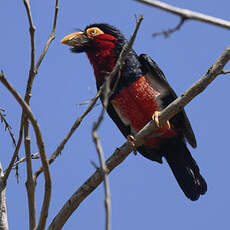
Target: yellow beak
[(71, 38)]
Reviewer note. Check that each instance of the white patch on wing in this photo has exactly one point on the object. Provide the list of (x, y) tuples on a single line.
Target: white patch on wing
[(124, 120), (158, 86)]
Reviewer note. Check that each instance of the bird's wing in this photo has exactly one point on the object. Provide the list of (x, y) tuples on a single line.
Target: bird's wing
[(151, 69)]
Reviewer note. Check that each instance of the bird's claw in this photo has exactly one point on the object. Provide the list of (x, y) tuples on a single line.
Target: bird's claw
[(155, 117), (131, 140)]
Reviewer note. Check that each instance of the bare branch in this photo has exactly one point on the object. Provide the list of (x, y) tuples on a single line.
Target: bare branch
[(30, 183), (187, 14), (41, 147), (168, 32), (105, 178), (3, 211), (86, 103), (7, 125), (32, 73), (225, 72), (23, 159), (121, 153), (32, 30), (15, 155), (33, 68), (50, 39)]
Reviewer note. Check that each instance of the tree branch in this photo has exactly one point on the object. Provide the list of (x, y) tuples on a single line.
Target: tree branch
[(24, 122), (225, 72), (30, 183), (7, 125), (23, 159), (41, 147), (3, 211), (15, 155), (122, 152), (50, 39), (105, 178), (187, 14), (32, 30), (168, 32)]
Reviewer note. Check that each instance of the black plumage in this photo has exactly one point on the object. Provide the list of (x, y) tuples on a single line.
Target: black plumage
[(173, 147)]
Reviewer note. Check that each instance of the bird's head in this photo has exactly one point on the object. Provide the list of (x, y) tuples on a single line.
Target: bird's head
[(95, 37), (102, 43)]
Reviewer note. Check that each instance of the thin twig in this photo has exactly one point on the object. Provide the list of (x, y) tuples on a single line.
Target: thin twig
[(225, 72), (23, 159), (32, 30), (50, 39), (94, 164), (186, 14), (87, 102), (167, 33), (15, 156), (122, 152), (7, 125), (32, 63), (33, 67), (41, 147), (105, 178)]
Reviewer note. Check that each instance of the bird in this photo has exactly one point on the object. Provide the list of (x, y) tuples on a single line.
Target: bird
[(140, 92)]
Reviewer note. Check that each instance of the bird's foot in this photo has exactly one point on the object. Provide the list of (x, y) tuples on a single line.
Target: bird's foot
[(131, 140), (156, 120)]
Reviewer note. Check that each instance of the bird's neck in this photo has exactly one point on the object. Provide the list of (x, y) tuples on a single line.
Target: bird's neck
[(103, 61)]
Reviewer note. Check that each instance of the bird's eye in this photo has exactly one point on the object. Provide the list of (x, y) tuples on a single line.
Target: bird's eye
[(93, 31)]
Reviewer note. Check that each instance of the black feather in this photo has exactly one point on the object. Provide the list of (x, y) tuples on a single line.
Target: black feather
[(184, 168)]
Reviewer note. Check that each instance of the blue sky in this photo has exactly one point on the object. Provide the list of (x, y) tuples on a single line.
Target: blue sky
[(145, 194)]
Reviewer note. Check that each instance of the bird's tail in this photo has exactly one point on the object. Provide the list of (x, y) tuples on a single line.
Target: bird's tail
[(185, 169)]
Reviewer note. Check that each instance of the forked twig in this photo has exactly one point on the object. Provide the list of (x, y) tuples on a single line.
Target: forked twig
[(41, 147)]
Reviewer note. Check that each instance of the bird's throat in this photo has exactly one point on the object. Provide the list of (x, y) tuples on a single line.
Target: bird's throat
[(103, 62)]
